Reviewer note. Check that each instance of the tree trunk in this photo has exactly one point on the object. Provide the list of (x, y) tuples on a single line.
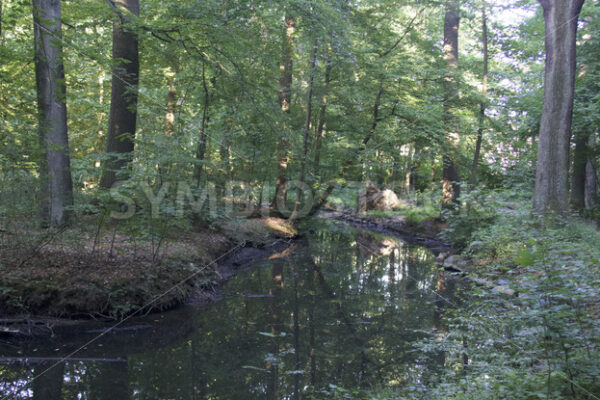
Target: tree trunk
[(350, 161), (483, 104), (358, 152), (551, 182), (307, 124), (285, 100), (55, 169), (591, 187), (170, 112), (373, 129), (203, 138), (451, 177), (322, 119), (578, 179), (123, 101)]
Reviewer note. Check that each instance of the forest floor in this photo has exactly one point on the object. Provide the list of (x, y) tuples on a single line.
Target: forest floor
[(82, 273)]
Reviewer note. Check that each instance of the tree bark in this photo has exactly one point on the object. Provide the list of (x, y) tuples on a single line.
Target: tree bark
[(578, 179), (307, 124), (483, 105), (170, 112), (124, 95), (551, 183), (203, 137), (285, 100), (55, 169), (591, 186), (451, 177), (322, 117)]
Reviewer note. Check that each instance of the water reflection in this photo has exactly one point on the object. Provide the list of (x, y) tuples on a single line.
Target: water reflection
[(341, 308)]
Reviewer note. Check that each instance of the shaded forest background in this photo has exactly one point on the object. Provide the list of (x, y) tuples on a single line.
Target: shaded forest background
[(264, 92)]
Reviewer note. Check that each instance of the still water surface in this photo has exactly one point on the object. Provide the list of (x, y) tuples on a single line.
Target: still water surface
[(337, 314)]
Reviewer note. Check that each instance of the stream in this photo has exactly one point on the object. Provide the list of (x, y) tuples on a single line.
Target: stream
[(338, 313)]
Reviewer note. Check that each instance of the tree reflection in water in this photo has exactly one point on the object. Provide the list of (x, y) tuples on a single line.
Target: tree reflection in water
[(342, 308)]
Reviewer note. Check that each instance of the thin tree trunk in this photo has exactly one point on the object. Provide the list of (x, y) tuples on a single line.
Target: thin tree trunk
[(307, 124), (376, 105), (350, 161), (578, 179), (408, 183), (483, 105), (225, 154), (451, 177), (591, 187), (55, 169), (124, 95), (2, 117), (285, 100), (203, 139), (322, 117), (551, 183), (170, 112)]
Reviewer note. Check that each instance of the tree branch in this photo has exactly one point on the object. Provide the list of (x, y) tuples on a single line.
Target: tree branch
[(406, 32)]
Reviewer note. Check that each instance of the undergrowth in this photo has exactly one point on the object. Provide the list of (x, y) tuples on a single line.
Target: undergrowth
[(540, 343)]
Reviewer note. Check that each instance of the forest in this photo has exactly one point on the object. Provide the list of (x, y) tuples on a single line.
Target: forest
[(307, 199)]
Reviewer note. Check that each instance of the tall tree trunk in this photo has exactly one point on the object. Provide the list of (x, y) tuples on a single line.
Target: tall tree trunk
[(374, 123), (591, 187), (551, 182), (170, 112), (351, 161), (322, 116), (307, 124), (2, 117), (578, 179), (483, 105), (451, 177), (203, 138), (124, 95), (363, 146), (285, 100), (55, 169)]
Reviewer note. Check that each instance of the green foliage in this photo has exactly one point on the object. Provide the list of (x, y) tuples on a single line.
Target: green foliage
[(480, 210), (210, 75)]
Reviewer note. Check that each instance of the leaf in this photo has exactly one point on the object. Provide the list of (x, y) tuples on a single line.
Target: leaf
[(525, 257)]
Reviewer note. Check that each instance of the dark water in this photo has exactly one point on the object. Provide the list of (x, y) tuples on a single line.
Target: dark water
[(339, 312)]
